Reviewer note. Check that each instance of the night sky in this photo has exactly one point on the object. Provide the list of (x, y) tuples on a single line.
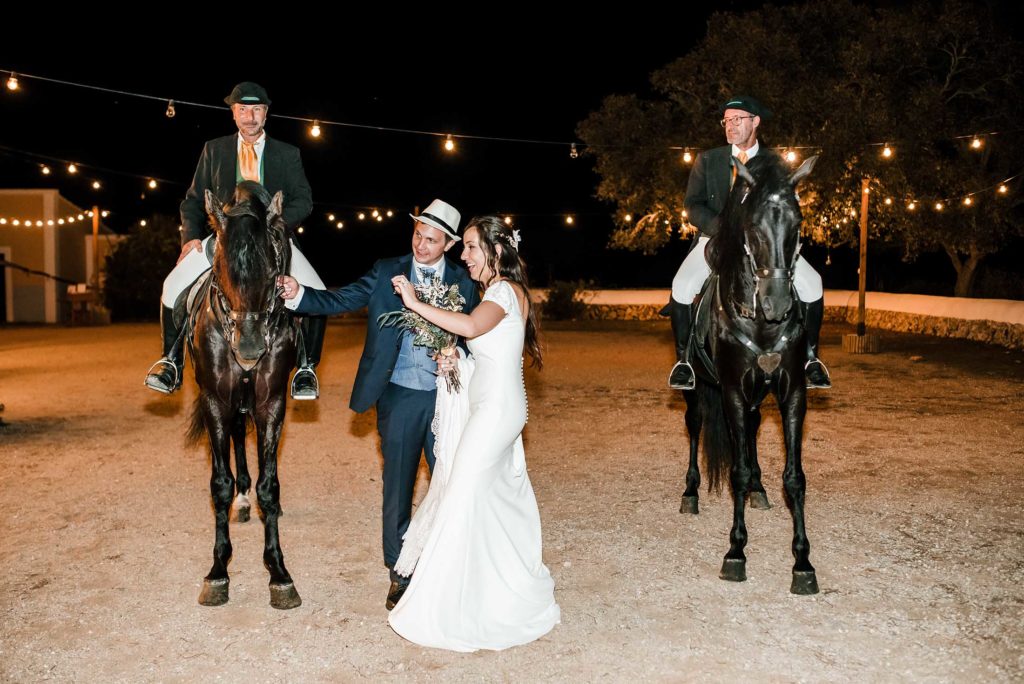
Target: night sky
[(534, 81)]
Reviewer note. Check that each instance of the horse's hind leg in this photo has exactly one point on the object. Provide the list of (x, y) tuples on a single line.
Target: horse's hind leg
[(694, 422), (222, 487), (793, 410), (268, 492), (756, 496), (241, 508)]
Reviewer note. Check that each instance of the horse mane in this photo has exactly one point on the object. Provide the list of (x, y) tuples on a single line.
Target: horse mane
[(247, 249), (770, 172)]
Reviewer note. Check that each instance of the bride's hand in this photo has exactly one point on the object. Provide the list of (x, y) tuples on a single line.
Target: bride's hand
[(404, 289)]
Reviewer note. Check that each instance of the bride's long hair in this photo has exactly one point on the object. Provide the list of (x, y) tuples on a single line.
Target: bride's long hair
[(510, 266)]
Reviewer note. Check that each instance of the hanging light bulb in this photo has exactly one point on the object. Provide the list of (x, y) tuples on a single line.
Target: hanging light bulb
[(39, 224), (888, 201), (152, 184), (72, 168), (628, 218), (449, 144), (828, 259), (96, 185), (887, 151), (170, 110), (142, 223), (1003, 189), (375, 214), (315, 130), (687, 157), (508, 220), (104, 213), (976, 144), (912, 206), (46, 170), (390, 213), (60, 222), (968, 201), (939, 206), (573, 153), (380, 218), (300, 230), (791, 156), (361, 216), (686, 214), (89, 213), (16, 222), (12, 82), (3, 222), (569, 220), (340, 225), (330, 217)]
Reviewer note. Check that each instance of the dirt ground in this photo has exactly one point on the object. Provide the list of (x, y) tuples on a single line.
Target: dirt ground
[(915, 479)]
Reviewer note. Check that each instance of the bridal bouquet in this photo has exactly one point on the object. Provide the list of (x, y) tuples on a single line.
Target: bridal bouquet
[(439, 342)]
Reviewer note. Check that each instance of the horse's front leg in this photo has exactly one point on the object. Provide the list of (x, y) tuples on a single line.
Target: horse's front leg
[(694, 422), (269, 419), (758, 498), (241, 507), (793, 411), (736, 415), (222, 487)]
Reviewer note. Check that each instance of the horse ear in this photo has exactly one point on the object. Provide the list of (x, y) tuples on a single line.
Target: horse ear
[(743, 172), (215, 210), (804, 170), (276, 208)]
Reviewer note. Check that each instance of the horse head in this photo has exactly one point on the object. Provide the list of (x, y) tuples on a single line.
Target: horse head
[(770, 217), (252, 249)]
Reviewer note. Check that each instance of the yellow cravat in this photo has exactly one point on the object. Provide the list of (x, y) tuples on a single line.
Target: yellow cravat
[(742, 156), (248, 162)]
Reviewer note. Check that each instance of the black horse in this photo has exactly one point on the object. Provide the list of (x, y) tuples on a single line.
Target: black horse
[(243, 345), (754, 344)]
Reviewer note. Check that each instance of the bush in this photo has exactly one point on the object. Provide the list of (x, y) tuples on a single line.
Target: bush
[(137, 267), (566, 300)]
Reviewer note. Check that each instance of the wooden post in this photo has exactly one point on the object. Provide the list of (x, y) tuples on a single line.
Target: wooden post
[(862, 343), (96, 247)]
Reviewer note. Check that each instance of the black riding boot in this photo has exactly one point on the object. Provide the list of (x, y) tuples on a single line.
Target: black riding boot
[(681, 376), (165, 375), (815, 370), (304, 383)]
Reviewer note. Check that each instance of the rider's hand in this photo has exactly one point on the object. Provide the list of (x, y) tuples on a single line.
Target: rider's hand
[(188, 247)]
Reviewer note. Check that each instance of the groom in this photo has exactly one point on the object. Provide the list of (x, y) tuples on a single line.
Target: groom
[(393, 374)]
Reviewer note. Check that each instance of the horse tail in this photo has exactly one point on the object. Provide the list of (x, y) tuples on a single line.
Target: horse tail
[(718, 450), (196, 424)]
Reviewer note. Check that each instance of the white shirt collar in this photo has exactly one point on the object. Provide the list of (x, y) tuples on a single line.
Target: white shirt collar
[(751, 153), (258, 145), (438, 267)]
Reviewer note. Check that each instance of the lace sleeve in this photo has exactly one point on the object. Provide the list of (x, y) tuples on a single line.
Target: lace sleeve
[(501, 293)]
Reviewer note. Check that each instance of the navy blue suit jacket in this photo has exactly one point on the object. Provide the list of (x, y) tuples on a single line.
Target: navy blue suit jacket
[(374, 291)]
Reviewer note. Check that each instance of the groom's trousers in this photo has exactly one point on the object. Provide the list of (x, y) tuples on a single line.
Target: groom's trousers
[(403, 421)]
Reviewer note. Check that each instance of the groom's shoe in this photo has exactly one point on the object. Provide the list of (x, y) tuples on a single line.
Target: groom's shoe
[(398, 588)]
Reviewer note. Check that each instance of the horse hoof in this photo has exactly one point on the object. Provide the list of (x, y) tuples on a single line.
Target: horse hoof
[(734, 570), (240, 513), (689, 505), (804, 583), (284, 596), (758, 500), (214, 593)]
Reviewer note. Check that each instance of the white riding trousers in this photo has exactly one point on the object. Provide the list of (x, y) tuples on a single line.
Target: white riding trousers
[(695, 270), (195, 264)]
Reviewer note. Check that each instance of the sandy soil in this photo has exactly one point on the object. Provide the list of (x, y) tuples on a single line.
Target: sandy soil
[(914, 466)]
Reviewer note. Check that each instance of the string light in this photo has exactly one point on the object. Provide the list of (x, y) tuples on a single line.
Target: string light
[(968, 201), (912, 206), (340, 225), (152, 184), (1002, 188), (12, 82), (96, 185), (449, 144), (375, 214), (72, 168), (380, 219), (976, 144), (170, 110), (104, 213), (887, 151), (315, 130), (791, 156), (573, 153), (46, 170), (300, 230), (628, 218), (569, 220), (687, 157), (361, 216), (143, 224), (330, 217), (939, 206), (508, 220), (390, 213)]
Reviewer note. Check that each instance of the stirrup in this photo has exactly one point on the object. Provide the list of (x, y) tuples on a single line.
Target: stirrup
[(152, 378), (307, 393), (824, 369), (693, 376)]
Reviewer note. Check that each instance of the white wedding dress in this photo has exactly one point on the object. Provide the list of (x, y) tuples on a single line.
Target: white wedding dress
[(475, 541)]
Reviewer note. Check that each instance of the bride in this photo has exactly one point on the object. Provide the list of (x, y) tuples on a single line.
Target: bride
[(475, 542)]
